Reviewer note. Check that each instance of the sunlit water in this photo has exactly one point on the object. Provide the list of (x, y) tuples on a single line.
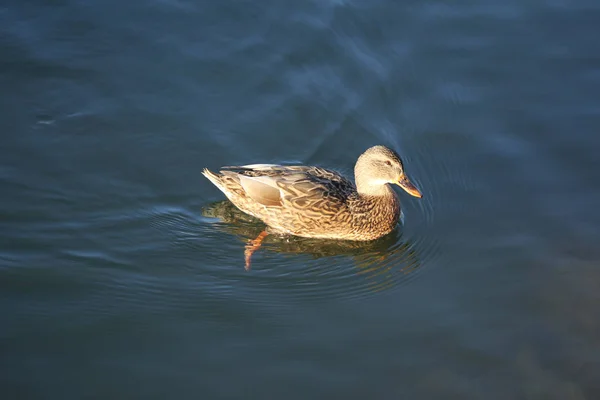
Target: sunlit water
[(122, 268)]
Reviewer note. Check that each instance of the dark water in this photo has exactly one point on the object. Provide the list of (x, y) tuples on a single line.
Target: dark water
[(121, 271)]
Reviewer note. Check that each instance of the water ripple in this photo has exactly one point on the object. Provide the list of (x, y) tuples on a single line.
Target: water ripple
[(311, 269)]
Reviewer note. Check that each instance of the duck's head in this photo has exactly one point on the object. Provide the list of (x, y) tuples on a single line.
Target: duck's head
[(378, 166)]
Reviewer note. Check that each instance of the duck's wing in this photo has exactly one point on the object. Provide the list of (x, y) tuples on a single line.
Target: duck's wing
[(302, 187)]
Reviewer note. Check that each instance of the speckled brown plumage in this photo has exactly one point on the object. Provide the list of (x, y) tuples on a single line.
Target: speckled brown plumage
[(316, 202)]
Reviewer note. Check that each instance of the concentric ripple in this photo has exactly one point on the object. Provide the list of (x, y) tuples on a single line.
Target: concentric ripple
[(206, 246)]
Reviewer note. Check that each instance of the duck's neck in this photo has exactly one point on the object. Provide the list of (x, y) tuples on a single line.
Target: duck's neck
[(381, 203)]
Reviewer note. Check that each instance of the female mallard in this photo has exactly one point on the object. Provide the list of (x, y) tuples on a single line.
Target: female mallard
[(316, 202)]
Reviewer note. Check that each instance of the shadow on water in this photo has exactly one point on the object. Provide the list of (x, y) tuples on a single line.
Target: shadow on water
[(323, 265)]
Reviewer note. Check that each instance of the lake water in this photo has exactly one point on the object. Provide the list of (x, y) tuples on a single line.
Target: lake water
[(121, 267)]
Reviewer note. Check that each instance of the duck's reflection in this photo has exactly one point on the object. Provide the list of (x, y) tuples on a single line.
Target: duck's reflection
[(386, 255)]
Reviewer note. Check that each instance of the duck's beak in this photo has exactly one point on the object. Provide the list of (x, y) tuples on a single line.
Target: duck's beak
[(407, 185)]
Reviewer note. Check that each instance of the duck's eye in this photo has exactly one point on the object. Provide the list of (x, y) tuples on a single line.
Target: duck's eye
[(388, 162)]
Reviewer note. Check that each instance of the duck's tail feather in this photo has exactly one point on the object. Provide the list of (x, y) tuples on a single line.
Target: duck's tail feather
[(214, 178)]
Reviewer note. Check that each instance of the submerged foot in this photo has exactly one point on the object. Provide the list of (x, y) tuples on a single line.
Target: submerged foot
[(252, 246)]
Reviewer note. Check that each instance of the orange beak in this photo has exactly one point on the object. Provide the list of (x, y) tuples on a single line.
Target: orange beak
[(407, 185)]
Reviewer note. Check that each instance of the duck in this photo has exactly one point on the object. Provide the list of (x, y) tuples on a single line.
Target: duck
[(315, 202)]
